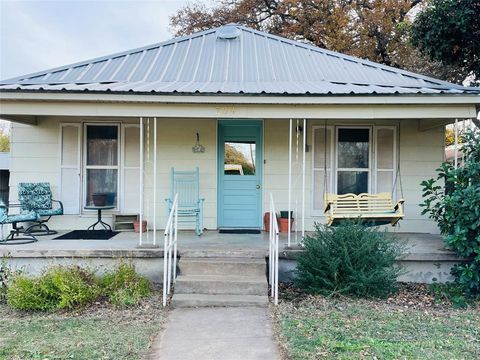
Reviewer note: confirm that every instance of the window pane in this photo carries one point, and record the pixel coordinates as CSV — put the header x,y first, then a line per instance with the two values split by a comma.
x,y
385,149
239,158
353,148
319,151
102,181
102,145
355,182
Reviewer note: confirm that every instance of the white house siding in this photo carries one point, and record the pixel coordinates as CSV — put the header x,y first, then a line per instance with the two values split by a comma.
x,y
421,152
35,157
176,137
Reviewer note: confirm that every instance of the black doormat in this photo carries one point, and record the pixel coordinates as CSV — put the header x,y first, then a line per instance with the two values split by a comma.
x,y
87,235
239,231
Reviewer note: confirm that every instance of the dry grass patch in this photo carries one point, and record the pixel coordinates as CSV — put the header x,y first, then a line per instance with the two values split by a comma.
x,y
100,331
410,325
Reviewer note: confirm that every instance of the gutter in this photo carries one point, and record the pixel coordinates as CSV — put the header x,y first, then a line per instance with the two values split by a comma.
x,y
438,99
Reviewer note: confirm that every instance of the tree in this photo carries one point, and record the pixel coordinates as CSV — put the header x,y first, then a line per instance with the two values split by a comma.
x,y
235,157
373,29
378,30
4,141
450,137
448,31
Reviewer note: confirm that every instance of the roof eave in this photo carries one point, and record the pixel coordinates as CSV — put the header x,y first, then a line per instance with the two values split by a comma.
x,y
222,98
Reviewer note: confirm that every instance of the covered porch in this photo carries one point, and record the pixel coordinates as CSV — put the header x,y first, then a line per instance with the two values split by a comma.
x,y
297,162
426,257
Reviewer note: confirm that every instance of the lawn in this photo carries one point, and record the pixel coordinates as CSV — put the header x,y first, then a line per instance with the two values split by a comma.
x,y
315,327
98,332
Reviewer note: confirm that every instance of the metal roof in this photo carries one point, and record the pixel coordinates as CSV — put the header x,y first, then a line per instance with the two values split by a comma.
x,y
232,59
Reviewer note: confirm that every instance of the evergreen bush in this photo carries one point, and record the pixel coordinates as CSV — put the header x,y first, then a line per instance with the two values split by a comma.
x,y
349,259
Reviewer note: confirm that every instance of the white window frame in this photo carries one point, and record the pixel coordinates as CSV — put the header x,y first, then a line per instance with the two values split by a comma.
x,y
370,149
373,160
86,167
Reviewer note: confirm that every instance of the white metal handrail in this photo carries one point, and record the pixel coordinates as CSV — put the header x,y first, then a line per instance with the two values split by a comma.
x,y
170,250
273,252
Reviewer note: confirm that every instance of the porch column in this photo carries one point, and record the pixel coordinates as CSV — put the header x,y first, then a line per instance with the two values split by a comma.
x,y
154,181
140,183
289,182
456,144
304,144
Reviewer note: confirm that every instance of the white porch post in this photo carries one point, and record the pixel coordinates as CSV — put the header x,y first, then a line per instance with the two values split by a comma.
x,y
456,144
154,181
140,240
304,142
289,182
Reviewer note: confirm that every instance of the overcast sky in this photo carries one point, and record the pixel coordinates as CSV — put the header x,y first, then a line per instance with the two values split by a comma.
x,y
41,34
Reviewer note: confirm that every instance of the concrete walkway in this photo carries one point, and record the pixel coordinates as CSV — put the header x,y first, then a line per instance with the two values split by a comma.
x,y
243,333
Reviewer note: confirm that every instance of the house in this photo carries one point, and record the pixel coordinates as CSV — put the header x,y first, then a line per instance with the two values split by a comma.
x,y
304,120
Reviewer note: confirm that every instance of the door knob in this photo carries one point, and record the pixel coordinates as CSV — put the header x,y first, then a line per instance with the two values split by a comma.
x,y
258,187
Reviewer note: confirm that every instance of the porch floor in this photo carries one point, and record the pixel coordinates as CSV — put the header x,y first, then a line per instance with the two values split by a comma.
x,y
211,243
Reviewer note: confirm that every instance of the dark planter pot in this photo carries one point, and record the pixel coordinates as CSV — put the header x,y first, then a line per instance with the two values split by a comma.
x,y
99,199
110,198
284,214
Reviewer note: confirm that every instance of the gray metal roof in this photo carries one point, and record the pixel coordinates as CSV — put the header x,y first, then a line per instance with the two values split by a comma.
x,y
232,59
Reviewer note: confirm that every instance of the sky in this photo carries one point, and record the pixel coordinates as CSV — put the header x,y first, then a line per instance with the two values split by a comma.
x,y
41,34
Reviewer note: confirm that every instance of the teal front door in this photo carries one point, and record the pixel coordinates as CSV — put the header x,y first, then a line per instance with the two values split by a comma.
x,y
240,161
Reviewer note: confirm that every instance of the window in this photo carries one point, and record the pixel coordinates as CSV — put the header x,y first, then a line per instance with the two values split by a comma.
x,y
239,158
352,159
101,162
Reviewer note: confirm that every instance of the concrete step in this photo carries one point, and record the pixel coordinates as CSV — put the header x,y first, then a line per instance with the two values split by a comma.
x,y
223,253
222,266
221,284
204,300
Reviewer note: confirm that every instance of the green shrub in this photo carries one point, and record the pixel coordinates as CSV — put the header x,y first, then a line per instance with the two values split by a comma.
x,y
124,287
453,201
449,292
6,274
72,286
57,288
26,294
349,259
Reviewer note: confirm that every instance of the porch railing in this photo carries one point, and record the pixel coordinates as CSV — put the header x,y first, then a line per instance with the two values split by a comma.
x,y
273,252
170,250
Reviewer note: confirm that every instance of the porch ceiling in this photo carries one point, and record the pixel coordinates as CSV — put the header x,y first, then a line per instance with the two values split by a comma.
x,y
28,111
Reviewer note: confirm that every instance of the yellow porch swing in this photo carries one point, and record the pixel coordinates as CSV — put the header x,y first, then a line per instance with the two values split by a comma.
x,y
373,209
